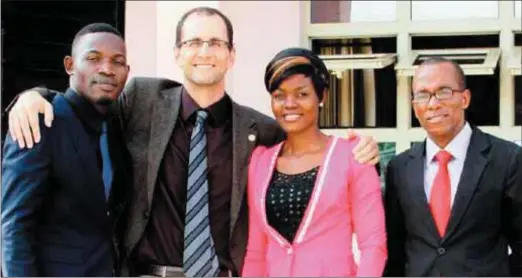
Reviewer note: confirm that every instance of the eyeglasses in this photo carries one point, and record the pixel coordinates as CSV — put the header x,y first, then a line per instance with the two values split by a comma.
x,y
441,94
213,44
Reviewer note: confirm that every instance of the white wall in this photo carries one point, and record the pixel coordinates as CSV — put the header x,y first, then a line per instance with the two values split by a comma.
x,y
383,11
373,11
518,8
434,10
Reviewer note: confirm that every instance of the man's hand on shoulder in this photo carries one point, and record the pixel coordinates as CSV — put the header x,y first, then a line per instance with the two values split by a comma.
x,y
23,118
367,150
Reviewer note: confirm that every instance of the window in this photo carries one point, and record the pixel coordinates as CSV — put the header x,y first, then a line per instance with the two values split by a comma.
x,y
352,11
518,100
340,63
363,85
468,32
473,61
444,10
514,67
387,152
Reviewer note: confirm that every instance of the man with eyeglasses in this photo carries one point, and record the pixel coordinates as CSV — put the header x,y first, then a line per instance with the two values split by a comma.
x,y
190,145
453,203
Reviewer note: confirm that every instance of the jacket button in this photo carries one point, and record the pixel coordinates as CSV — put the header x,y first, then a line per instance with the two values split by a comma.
x,y
289,252
146,214
441,251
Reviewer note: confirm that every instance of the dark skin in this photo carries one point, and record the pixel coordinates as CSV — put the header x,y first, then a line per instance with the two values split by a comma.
x,y
98,68
442,119
295,105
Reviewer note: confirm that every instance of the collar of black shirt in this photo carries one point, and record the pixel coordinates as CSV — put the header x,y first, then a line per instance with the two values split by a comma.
x,y
85,110
219,112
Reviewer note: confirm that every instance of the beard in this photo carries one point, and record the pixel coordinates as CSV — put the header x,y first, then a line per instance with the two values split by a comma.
x,y
104,101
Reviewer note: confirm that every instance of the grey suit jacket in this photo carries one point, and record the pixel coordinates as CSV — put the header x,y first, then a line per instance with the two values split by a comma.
x,y
149,108
486,216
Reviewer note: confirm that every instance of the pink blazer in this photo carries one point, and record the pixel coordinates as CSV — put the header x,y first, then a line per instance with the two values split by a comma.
x,y
346,199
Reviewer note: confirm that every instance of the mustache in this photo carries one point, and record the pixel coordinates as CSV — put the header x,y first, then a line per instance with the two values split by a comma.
x,y
100,79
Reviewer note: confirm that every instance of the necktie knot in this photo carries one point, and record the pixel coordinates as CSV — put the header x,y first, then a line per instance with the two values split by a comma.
x,y
201,117
103,127
443,157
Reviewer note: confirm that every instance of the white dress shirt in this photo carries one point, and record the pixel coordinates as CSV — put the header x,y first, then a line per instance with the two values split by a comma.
x,y
458,148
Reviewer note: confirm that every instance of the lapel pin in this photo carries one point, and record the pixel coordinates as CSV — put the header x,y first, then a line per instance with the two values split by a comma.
x,y
251,137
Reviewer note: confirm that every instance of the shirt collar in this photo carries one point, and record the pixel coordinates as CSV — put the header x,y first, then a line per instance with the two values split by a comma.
x,y
457,147
219,112
85,110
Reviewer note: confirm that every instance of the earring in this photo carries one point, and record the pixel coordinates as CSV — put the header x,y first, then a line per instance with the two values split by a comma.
x,y
321,104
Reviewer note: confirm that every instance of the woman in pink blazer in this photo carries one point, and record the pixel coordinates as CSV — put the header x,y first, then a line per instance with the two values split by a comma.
x,y
307,196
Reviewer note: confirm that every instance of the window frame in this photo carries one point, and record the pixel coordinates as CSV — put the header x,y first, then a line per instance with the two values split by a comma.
x,y
337,64
515,67
404,29
492,56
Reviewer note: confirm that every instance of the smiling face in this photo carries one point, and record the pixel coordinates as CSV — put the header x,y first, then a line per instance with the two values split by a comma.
x,y
98,67
295,104
442,119
204,64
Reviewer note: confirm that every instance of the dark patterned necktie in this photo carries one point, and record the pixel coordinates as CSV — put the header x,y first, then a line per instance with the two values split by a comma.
x,y
199,256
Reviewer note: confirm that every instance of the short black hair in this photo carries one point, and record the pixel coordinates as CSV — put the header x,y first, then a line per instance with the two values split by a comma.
x,y
206,11
434,60
97,27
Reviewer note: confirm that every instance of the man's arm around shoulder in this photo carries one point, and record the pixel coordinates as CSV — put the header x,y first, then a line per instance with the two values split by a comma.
x,y
24,177
137,90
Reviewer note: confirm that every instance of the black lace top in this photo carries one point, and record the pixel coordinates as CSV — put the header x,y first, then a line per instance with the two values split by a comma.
x,y
287,199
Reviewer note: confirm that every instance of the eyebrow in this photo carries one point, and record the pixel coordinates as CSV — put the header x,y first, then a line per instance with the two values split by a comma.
x,y
438,88
94,51
296,89
212,38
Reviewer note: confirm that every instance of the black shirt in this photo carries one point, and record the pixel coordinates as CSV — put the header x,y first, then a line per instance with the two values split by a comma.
x,y
163,239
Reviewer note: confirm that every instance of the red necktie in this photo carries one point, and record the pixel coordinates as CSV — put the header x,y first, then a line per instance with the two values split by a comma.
x,y
441,193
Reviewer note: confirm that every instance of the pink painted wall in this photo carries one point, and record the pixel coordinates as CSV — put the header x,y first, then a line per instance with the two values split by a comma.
x,y
262,28
140,36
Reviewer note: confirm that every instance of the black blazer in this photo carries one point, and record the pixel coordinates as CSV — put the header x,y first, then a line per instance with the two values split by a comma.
x,y
56,220
485,219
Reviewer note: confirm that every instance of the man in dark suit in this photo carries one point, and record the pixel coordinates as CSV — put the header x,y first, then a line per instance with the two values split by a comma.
x,y
453,203
183,222
61,199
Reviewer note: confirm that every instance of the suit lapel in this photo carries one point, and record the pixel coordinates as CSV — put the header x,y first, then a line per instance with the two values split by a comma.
x,y
415,181
474,165
164,115
244,141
